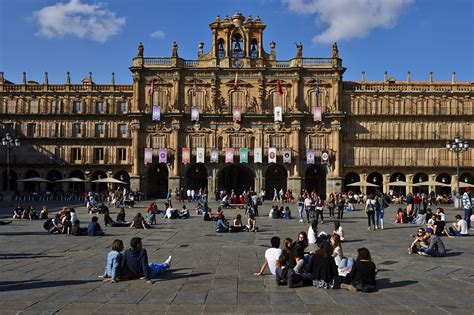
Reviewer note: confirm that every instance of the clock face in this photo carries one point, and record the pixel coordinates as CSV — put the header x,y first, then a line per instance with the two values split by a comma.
x,y
238,63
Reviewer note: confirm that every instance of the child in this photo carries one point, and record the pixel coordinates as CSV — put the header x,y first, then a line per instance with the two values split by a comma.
x,y
114,260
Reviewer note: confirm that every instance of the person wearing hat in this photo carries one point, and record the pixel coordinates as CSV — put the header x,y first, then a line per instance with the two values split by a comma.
x,y
435,246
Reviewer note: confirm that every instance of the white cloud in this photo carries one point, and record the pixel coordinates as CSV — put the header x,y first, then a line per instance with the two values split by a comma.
x,y
158,34
90,21
348,19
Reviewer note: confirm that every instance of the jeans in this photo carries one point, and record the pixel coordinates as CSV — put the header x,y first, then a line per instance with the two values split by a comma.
x,y
454,232
319,213
371,217
346,262
379,218
300,211
416,208
156,269
467,217
331,212
340,212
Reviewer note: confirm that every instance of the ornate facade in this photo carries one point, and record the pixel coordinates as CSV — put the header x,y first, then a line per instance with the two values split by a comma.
x,y
378,132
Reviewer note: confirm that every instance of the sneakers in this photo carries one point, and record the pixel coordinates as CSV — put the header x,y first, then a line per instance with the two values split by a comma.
x,y
348,287
301,221
168,261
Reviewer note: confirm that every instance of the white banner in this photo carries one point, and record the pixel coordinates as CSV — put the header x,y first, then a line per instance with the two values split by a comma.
x,y
287,155
257,155
199,155
194,113
278,113
272,155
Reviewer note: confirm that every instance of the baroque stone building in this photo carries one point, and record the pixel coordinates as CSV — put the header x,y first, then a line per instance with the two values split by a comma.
x,y
236,95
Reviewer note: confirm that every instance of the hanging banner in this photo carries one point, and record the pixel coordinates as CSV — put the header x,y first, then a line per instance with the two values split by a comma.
x,y
237,114
163,156
324,157
194,113
287,155
200,155
148,156
310,156
272,155
229,155
318,116
185,155
257,155
156,113
214,155
244,155
278,113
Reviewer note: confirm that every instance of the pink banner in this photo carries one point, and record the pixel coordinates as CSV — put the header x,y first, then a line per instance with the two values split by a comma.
x,y
318,116
272,155
237,114
186,156
229,155
148,156
163,157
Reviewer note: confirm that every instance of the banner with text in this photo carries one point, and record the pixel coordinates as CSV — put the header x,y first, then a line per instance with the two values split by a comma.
x,y
156,116
214,155
195,113
244,155
278,113
324,157
318,116
237,114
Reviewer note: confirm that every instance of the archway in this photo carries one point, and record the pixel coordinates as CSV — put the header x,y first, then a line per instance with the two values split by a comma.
x,y
196,177
99,186
377,179
350,178
236,177
77,187
315,180
32,187
53,176
396,184
13,179
444,178
467,180
122,176
418,178
157,183
275,179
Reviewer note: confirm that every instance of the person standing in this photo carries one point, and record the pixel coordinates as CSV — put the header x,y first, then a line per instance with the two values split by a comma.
x,y
188,194
169,197
340,206
417,203
370,211
467,206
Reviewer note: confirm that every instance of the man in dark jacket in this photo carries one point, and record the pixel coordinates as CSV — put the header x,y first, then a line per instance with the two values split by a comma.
x,y
135,262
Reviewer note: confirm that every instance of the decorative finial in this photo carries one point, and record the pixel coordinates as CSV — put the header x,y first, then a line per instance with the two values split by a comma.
x,y
453,77
1,77
113,78
363,76
174,52
385,76
90,77
140,50
299,50
24,78
46,81
431,76
409,76
273,51
335,51
68,78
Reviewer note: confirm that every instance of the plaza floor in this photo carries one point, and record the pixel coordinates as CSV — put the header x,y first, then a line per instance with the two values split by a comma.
x,y
213,273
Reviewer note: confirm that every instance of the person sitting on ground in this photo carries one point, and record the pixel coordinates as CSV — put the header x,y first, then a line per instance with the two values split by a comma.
x,y
237,226
287,248
287,213
411,217
114,261
429,214
77,230
251,222
420,238
338,230
285,275
107,219
344,264
459,228
199,209
434,247
55,226
67,224
208,215
170,212
400,218
438,225
219,212
94,228
440,212
138,222
313,233
273,214
44,213
18,212
222,225
323,267
271,256
33,213
184,213
26,214
362,275
73,214
135,263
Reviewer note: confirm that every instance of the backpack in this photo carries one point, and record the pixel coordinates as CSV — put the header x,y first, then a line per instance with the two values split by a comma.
x,y
370,207
47,224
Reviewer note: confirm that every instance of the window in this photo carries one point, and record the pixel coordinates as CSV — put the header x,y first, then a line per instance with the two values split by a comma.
x,y
100,130
397,157
374,156
8,127
196,99
160,98
198,141
76,154
277,141
277,99
58,130
123,107
77,129
313,102
122,154
99,107
237,99
158,142
122,130
420,157
237,141
34,106
220,48
237,51
317,143
57,107
99,154
31,130
11,107
77,107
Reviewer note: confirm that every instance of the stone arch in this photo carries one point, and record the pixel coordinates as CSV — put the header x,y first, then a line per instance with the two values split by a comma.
x,y
99,174
396,177
377,179
349,178
315,179
157,181
418,178
444,178
197,177
237,177
53,175
276,177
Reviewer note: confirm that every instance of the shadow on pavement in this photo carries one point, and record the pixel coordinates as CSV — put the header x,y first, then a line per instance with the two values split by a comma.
x,y
170,275
25,256
386,283
352,241
37,284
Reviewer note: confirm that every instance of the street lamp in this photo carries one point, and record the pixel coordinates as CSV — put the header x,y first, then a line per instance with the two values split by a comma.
x,y
9,142
457,145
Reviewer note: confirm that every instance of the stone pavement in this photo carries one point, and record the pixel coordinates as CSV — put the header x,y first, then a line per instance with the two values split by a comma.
x,y
213,273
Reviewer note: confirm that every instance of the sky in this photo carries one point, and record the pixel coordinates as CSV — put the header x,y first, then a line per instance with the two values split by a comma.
x,y
101,36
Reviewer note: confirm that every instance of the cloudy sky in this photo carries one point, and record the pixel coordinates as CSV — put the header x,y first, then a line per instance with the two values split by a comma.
x,y
101,36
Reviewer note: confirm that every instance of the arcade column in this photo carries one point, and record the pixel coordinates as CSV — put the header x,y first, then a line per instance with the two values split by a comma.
x,y
174,178
135,175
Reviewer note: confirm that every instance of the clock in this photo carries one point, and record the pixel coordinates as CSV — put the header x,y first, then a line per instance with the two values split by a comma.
x,y
238,63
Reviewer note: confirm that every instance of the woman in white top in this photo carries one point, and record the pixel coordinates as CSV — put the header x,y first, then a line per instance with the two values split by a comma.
x,y
338,230
370,211
344,264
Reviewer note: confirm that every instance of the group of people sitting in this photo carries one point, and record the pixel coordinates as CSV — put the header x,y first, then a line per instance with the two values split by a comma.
x,y
67,222
167,213
133,264
223,226
319,261
29,213
280,213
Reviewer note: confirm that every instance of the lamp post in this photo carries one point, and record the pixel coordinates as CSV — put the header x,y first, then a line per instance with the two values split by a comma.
x,y
457,145
9,142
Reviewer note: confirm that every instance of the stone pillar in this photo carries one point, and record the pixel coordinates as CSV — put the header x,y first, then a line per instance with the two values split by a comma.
x,y
385,185
432,178
135,174
409,180
174,179
336,134
363,178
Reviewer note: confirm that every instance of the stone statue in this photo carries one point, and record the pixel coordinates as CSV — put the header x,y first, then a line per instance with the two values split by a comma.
x,y
299,50
175,50
256,106
335,51
140,50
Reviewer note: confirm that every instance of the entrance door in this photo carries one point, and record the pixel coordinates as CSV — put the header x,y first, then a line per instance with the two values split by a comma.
x,y
315,180
157,183
236,177
196,177
275,178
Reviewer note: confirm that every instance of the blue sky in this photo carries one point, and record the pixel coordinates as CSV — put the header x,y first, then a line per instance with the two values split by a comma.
x,y
102,36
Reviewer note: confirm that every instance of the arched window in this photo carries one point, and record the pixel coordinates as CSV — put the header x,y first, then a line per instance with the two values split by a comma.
x,y
254,49
160,98
196,98
237,42
220,48
277,99
237,99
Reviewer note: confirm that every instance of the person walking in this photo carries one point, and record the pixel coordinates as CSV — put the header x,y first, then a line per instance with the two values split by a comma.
x,y
467,206
370,211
